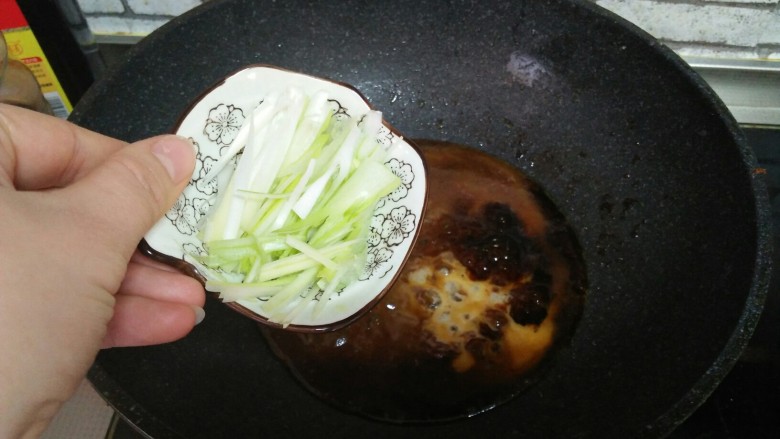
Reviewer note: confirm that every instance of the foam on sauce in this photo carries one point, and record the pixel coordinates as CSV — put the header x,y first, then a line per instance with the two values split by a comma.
x,y
494,283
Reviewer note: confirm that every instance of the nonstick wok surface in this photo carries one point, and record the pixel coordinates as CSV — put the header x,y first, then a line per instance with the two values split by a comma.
x,y
639,154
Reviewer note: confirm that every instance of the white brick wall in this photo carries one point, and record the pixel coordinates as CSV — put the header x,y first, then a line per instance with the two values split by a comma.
x,y
713,28
130,20
162,7
705,22
771,33
746,29
123,29
101,6
744,1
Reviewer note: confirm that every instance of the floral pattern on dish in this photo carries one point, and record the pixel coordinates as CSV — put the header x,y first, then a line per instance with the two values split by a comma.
x,y
223,124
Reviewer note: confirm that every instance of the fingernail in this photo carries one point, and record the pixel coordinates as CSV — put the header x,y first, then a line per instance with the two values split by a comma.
x,y
200,314
177,155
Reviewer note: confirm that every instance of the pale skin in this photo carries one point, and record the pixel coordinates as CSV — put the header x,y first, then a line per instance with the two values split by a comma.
x,y
73,206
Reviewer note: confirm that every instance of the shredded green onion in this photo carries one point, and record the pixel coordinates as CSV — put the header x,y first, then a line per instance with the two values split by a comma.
x,y
292,223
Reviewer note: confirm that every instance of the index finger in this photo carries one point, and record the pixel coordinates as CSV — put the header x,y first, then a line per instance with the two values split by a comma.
x,y
40,152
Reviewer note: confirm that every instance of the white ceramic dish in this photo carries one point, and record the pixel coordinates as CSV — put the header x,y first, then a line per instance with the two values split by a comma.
x,y
212,123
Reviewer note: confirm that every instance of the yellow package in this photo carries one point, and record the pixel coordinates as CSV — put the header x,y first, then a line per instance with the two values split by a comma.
x,y
24,47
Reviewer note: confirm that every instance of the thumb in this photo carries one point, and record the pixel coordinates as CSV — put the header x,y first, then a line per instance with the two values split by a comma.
x,y
133,188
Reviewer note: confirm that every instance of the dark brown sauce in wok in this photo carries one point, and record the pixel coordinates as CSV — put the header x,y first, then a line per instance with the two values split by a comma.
x,y
494,283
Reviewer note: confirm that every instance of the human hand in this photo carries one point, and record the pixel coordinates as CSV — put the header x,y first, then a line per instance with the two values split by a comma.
x,y
73,206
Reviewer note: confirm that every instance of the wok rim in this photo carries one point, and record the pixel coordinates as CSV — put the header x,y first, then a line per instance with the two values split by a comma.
x,y
147,424
754,303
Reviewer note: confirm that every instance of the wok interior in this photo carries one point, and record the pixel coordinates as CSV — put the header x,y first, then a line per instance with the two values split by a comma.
x,y
635,152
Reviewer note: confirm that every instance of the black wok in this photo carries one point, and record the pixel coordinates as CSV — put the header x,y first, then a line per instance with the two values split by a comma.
x,y
640,155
